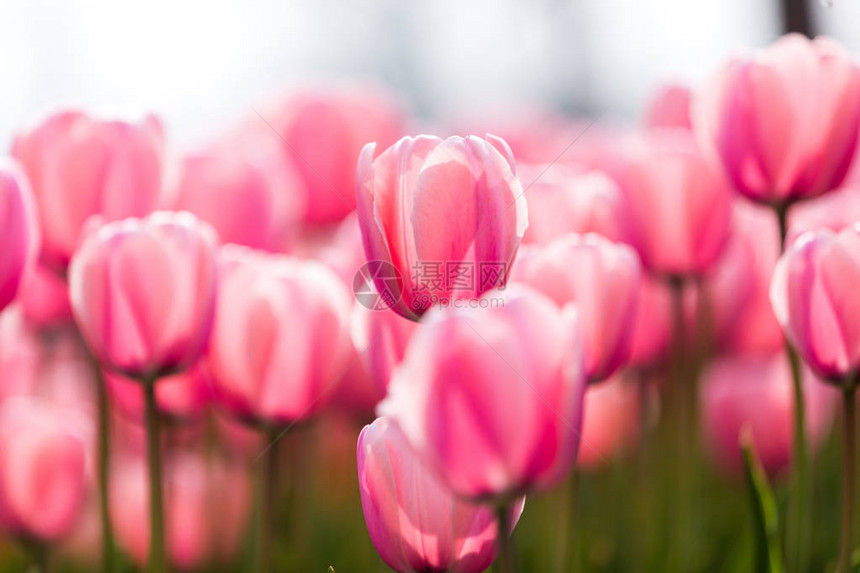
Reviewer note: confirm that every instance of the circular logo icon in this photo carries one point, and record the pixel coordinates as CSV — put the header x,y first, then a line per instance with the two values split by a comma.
x,y
377,285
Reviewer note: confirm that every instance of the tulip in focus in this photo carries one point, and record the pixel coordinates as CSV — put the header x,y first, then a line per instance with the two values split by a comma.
x,y
448,215
44,450
19,236
602,279
207,505
814,296
783,122
143,293
415,523
280,339
680,206
80,165
491,397
755,391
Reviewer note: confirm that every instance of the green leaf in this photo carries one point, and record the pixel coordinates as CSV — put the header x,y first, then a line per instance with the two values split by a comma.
x,y
768,556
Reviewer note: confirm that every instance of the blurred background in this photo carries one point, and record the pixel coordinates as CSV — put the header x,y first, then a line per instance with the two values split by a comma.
x,y
199,63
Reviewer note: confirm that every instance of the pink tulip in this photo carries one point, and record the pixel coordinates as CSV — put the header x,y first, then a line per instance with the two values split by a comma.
x,y
813,293
143,293
448,215
491,396
248,195
737,289
755,391
19,237
415,523
652,324
280,340
81,165
181,396
611,422
206,507
381,338
602,279
322,131
670,107
43,468
44,297
834,211
562,201
783,122
681,208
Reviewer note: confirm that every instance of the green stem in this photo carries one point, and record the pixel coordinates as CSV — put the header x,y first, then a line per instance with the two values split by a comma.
x,y
104,471
567,543
265,494
505,558
848,477
798,527
157,552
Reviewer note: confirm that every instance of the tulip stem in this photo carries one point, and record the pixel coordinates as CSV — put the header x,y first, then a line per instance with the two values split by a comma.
x,y
265,494
798,522
505,558
103,470
157,554
848,476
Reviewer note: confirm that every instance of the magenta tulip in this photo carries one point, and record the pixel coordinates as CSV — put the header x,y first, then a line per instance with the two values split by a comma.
x,y
248,196
670,107
602,279
143,293
321,132
681,208
448,215
755,392
783,122
79,165
19,237
814,298
415,523
491,396
562,201
44,450
280,341
207,505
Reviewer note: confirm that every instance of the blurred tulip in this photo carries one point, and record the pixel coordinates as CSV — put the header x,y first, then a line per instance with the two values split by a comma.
x,y
783,122
19,235
381,338
81,165
562,201
207,504
249,196
448,215
834,211
652,324
323,131
43,468
738,288
280,338
681,208
143,293
611,422
491,396
44,297
415,523
814,297
602,279
181,396
670,107
755,391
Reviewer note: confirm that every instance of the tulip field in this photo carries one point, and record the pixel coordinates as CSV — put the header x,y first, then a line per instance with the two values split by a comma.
x,y
338,337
